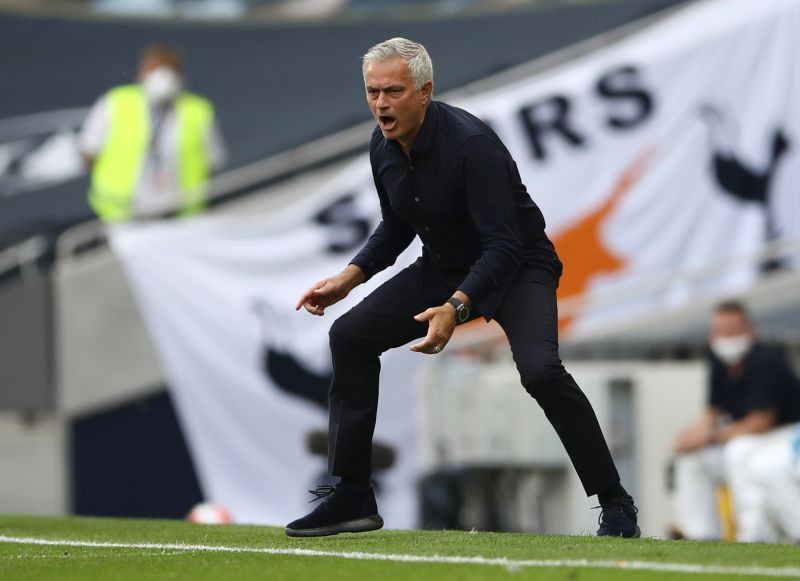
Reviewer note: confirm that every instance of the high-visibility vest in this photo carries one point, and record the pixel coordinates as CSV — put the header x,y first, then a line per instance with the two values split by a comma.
x,y
116,170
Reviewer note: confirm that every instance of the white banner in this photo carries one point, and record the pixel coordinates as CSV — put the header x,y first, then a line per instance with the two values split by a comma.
x,y
671,152
250,375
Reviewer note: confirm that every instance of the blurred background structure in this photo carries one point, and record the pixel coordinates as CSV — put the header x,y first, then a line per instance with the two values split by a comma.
x,y
250,68
87,424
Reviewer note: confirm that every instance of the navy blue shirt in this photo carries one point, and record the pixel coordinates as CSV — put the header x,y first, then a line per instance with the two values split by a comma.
x,y
767,382
459,190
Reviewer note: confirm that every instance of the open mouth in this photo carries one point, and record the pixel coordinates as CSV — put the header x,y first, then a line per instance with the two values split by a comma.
x,y
387,123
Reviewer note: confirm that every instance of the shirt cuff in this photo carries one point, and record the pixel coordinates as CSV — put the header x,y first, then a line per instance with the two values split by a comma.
x,y
366,265
476,287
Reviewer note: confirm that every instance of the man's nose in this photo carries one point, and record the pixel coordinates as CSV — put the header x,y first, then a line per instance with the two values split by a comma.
x,y
381,103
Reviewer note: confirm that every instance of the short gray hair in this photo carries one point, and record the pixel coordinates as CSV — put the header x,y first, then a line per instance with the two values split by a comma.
x,y
413,54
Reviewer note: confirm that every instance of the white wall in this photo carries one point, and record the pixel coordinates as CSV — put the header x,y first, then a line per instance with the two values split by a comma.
x,y
33,457
477,414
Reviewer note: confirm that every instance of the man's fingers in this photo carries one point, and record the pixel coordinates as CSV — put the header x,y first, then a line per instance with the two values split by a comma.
x,y
429,350
429,345
426,315
300,302
305,298
423,345
311,305
313,309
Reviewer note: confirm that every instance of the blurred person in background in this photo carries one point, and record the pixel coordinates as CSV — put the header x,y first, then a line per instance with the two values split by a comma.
x,y
746,429
442,174
151,145
773,474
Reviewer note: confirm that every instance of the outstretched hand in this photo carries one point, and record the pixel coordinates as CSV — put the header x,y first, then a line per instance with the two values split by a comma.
x,y
329,291
441,324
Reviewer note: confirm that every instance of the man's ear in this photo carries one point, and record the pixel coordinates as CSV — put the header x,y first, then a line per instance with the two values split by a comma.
x,y
427,91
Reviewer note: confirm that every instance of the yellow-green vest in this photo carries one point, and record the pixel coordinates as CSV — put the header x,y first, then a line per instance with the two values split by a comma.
x,y
115,172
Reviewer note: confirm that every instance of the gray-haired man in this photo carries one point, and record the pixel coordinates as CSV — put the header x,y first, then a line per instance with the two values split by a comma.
x,y
444,175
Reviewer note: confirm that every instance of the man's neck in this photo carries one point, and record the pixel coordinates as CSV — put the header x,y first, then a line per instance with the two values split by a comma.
x,y
408,143
736,370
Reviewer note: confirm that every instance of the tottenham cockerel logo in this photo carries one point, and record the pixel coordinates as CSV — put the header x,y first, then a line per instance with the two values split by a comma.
x,y
744,181
292,376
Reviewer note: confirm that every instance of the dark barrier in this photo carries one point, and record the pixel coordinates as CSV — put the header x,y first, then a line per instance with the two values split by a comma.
x,y
132,461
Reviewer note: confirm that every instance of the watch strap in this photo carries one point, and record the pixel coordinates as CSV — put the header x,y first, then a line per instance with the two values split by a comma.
x,y
462,310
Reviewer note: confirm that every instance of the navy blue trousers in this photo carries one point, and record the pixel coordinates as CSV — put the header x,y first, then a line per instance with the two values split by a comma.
x,y
384,320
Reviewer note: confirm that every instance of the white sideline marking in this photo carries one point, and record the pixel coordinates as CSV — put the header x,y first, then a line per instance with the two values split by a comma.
x,y
511,564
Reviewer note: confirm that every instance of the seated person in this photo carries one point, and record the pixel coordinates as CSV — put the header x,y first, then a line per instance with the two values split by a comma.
x,y
754,399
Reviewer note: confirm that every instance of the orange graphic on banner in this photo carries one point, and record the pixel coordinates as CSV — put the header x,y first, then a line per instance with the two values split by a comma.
x,y
581,247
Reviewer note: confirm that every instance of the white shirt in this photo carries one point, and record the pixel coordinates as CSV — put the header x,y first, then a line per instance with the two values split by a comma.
x,y
157,191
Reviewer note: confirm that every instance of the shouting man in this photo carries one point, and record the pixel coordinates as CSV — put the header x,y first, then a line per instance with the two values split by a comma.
x,y
444,175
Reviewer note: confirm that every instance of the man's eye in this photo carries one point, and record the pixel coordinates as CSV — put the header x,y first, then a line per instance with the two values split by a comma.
x,y
372,92
396,92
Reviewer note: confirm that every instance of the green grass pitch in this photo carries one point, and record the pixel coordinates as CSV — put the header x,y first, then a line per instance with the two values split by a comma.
x,y
93,548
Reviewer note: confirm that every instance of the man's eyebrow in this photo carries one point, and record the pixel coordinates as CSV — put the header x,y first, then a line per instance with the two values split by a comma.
x,y
389,88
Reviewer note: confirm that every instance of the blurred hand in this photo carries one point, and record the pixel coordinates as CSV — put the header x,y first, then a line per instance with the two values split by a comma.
x,y
692,440
329,291
441,324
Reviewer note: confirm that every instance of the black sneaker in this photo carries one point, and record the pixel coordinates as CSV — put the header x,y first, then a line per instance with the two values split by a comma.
x,y
338,513
618,519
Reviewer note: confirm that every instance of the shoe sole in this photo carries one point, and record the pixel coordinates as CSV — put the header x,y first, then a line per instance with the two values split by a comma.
x,y
636,534
359,525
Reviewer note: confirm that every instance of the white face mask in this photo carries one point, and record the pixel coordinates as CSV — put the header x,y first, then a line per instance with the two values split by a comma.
x,y
731,350
162,85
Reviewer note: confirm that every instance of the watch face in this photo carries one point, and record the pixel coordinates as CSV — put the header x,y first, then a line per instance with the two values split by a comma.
x,y
462,312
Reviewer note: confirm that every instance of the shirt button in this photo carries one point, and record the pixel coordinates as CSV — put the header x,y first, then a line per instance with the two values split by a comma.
x,y
416,199
411,167
427,229
438,255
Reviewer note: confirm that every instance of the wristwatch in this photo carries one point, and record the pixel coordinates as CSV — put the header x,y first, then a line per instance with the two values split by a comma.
x,y
462,310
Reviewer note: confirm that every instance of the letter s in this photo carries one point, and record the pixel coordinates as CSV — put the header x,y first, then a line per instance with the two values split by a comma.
x,y
632,104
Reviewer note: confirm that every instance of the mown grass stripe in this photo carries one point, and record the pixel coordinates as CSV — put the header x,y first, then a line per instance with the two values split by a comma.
x,y
444,559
